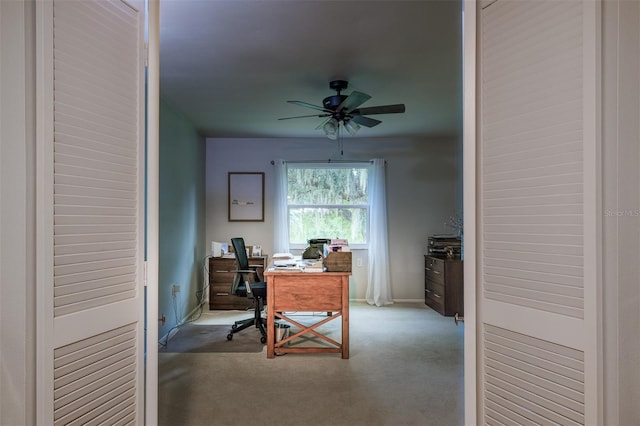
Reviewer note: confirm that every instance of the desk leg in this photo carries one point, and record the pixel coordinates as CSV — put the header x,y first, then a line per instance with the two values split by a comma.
x,y
345,317
271,336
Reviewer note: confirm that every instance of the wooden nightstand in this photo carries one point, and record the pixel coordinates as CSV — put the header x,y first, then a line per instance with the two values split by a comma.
x,y
443,285
221,278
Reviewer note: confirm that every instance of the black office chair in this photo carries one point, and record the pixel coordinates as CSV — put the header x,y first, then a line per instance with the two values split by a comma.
x,y
247,283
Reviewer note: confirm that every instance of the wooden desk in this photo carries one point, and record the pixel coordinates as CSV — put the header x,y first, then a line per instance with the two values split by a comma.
x,y
307,292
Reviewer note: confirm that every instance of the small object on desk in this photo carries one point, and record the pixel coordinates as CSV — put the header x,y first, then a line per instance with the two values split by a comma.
x,y
338,261
286,268
285,262
310,265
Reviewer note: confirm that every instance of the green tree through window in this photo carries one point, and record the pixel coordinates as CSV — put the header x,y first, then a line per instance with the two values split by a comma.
x,y
327,202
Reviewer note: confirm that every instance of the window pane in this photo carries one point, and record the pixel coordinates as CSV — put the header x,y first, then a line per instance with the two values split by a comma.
x,y
337,186
315,222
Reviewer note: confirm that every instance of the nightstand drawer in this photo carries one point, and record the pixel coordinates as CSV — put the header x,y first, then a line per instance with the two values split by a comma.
x,y
434,269
434,301
220,297
436,289
221,277
220,290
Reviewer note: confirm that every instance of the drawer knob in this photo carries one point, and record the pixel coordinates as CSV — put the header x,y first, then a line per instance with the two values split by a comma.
x,y
457,318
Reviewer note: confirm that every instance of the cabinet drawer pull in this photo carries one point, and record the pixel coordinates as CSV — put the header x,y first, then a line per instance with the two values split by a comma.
x,y
427,269
222,294
437,295
428,291
437,272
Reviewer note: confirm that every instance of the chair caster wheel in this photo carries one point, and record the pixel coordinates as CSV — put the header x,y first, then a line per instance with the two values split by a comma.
x,y
229,336
263,340
234,327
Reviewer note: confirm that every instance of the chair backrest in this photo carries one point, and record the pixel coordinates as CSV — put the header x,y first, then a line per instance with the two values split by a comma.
x,y
241,253
239,287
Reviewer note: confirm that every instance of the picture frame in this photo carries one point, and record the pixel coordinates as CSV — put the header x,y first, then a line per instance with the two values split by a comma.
x,y
246,196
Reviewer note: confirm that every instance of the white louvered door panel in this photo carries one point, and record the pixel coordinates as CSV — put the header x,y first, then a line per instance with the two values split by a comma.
x,y
537,202
91,152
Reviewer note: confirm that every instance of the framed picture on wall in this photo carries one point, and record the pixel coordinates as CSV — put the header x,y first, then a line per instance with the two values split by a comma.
x,y
246,196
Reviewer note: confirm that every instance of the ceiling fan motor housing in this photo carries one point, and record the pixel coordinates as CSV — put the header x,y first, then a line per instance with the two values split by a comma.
x,y
332,102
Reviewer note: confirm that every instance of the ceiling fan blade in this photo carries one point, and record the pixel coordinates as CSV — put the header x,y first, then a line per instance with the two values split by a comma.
x,y
365,121
308,105
354,100
305,116
321,125
382,109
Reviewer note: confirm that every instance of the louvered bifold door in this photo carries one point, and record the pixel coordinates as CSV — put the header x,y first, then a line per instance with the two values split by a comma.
x,y
90,210
538,338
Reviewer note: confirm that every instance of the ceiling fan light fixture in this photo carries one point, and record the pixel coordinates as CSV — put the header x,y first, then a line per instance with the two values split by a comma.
x,y
331,128
352,127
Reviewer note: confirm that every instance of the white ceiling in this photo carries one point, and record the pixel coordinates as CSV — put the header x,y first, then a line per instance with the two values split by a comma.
x,y
231,65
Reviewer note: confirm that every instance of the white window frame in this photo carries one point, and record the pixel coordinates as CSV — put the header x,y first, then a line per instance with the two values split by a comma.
x,y
331,165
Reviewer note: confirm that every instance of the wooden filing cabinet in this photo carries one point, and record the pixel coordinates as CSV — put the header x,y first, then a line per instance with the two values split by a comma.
x,y
221,273
443,285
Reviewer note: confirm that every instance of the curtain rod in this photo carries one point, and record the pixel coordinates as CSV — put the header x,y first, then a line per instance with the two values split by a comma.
x,y
327,161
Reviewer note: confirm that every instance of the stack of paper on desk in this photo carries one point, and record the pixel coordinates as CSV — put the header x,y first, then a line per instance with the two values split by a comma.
x,y
285,262
286,268
311,265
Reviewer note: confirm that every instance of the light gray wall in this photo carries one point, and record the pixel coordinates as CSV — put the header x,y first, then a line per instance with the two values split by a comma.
x,y
423,184
181,216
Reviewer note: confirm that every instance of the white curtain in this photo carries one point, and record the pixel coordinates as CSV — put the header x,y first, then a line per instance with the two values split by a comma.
x,y
379,278
280,217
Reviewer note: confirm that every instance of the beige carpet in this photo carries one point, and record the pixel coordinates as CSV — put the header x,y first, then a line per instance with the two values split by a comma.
x,y
406,368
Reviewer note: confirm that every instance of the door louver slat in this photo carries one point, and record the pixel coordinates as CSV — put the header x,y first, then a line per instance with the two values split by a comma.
x,y
538,380
94,375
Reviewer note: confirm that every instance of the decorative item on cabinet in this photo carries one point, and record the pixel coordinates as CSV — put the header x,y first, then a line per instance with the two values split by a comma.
x,y
443,285
221,273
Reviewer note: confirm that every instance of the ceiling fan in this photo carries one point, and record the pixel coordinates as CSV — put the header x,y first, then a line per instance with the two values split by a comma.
x,y
343,109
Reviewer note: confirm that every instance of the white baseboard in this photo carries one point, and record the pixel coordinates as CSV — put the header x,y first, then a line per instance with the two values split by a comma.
x,y
395,300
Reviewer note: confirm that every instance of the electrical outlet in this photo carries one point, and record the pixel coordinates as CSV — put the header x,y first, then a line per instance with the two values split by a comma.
x,y
175,289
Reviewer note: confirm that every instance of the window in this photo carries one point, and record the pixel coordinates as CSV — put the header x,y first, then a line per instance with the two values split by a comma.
x,y
327,201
